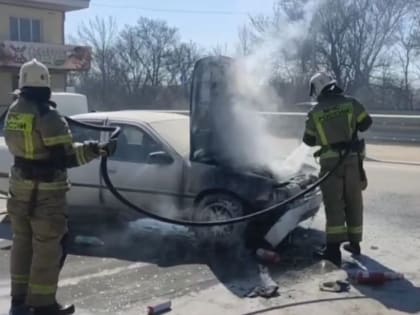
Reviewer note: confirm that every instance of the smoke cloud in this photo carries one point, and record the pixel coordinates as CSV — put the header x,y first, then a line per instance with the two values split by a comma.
x,y
248,140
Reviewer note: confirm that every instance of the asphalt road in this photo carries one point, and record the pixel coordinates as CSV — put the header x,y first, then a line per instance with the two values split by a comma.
x,y
148,263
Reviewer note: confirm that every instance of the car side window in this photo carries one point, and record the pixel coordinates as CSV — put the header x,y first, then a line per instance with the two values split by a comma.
x,y
134,145
81,134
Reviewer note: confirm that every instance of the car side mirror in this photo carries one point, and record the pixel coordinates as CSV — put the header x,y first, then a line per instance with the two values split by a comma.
x,y
159,157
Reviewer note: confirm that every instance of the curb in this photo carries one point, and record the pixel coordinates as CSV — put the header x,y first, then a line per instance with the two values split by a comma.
x,y
369,159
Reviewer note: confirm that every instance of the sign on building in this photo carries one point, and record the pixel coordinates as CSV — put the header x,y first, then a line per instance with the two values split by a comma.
x,y
59,57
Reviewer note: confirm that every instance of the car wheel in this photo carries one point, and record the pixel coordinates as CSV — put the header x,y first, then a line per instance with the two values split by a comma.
x,y
218,207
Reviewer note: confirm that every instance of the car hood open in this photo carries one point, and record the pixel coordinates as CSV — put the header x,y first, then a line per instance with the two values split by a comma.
x,y
210,108
221,124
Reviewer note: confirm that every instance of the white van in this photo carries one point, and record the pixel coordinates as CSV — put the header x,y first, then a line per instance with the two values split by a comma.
x,y
69,104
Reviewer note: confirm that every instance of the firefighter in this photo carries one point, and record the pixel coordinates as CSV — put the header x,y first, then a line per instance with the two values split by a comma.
x,y
333,124
40,140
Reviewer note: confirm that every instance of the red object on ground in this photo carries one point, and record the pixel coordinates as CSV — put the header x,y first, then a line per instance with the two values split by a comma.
x,y
159,309
375,278
268,255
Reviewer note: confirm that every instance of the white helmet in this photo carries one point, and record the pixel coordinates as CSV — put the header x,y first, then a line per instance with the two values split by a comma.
x,y
319,82
34,74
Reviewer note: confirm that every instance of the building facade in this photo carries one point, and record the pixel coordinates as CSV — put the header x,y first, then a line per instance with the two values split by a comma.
x,y
35,29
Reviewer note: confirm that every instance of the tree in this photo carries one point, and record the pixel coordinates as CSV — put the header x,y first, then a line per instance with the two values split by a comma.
x,y
219,50
330,26
405,50
352,35
350,38
141,65
132,72
150,58
100,34
284,44
245,43
181,61
156,42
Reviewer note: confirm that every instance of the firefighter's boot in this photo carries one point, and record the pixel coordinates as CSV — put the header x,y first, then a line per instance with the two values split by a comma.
x,y
19,310
55,309
19,307
331,253
353,248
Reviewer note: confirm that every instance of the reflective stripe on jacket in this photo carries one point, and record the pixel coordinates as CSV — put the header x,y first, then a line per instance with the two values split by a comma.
x,y
29,133
333,120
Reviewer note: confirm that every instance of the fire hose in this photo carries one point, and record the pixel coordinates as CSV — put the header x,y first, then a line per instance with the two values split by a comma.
x,y
115,131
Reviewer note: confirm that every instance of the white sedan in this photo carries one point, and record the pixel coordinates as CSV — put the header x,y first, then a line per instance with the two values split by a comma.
x,y
151,168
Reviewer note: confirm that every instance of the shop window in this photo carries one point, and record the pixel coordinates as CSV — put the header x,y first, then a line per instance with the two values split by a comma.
x,y
36,31
14,29
25,30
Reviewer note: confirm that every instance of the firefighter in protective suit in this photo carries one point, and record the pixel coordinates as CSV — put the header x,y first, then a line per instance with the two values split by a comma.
x,y
333,124
40,140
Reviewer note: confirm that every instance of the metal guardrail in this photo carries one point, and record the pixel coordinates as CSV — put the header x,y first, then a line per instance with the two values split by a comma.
x,y
295,114
386,127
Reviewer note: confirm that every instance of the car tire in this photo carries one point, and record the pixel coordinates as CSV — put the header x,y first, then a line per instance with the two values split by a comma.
x,y
215,207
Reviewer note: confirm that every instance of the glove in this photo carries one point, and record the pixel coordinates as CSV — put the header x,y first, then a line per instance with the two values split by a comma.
x,y
108,148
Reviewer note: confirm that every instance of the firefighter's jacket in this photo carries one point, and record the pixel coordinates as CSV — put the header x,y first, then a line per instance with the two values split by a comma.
x,y
32,132
334,122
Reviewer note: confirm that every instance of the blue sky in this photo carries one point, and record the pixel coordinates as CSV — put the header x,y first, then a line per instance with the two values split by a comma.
x,y
208,29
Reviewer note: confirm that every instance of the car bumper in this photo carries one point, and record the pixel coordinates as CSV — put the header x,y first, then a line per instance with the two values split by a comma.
x,y
297,212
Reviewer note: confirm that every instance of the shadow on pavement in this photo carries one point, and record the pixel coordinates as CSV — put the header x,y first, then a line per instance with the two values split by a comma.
x,y
297,255
400,295
167,245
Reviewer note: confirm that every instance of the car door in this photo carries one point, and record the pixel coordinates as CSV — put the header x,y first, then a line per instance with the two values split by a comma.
x,y
85,179
153,186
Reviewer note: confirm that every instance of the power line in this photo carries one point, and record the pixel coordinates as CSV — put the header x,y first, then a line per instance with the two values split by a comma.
x,y
182,11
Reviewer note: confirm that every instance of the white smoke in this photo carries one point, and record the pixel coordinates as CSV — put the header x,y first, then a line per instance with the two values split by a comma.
x,y
252,144
247,138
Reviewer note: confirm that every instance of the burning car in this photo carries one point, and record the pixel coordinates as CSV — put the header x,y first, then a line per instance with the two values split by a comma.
x,y
179,166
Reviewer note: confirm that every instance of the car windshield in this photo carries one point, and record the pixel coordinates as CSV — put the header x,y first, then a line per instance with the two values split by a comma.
x,y
176,132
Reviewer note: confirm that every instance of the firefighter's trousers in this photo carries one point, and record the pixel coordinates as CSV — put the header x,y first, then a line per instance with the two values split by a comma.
x,y
342,196
39,230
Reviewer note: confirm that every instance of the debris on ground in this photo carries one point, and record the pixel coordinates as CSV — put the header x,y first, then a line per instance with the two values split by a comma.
x,y
88,240
338,286
160,308
265,292
268,288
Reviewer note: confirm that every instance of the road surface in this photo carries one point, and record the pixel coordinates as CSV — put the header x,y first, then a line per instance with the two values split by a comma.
x,y
148,263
